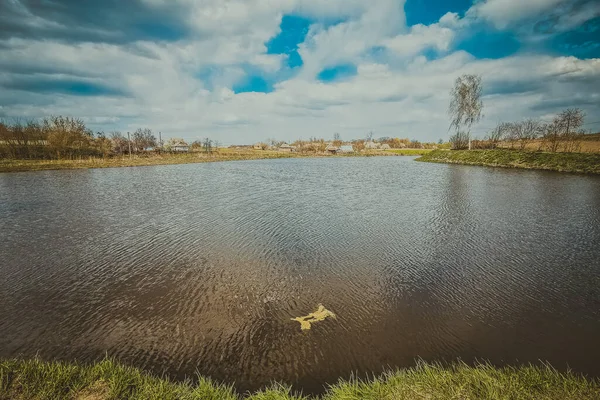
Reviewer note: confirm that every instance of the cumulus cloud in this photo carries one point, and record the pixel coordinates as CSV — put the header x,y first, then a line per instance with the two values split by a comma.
x,y
347,41
172,66
542,16
419,38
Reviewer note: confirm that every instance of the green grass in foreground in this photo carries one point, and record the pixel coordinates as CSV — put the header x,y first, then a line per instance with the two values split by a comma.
x,y
564,162
35,379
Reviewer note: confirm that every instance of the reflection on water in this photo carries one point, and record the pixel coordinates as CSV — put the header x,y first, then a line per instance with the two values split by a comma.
x,y
187,268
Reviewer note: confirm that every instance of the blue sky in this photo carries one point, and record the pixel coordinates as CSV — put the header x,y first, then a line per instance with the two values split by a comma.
x,y
241,71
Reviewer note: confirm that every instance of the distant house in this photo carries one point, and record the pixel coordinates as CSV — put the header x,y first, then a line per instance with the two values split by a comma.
x,y
371,145
331,148
258,146
180,147
287,148
347,148
385,146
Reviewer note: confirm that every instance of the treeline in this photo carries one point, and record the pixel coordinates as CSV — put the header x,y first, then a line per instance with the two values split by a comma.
x,y
396,143
318,145
59,137
562,134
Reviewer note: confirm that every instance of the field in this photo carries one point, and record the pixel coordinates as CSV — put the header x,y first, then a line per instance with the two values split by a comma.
x,y
35,379
563,162
590,143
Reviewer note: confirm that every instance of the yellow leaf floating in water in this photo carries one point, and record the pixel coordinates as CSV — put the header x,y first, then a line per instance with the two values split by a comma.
x,y
316,316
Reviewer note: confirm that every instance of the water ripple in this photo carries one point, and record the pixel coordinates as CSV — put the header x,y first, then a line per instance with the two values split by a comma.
x,y
200,268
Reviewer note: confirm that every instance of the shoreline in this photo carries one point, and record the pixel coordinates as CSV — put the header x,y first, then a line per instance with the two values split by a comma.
x,y
107,379
581,163
22,165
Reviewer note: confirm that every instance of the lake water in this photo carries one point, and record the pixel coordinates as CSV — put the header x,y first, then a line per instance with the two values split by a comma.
x,y
201,267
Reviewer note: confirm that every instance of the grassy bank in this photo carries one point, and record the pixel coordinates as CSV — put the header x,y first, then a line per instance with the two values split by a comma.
x,y
409,152
564,162
34,379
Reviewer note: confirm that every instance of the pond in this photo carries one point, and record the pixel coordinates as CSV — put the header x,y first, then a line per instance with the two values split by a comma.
x,y
209,267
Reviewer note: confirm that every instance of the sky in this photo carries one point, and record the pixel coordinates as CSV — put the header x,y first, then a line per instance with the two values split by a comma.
x,y
242,71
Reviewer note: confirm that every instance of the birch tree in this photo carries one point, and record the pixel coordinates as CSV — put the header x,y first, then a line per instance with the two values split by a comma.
x,y
465,109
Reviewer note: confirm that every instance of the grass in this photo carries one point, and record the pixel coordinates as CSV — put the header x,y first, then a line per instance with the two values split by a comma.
x,y
12,165
564,162
36,379
409,152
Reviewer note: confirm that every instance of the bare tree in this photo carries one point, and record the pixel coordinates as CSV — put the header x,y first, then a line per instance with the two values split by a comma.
x,y
565,129
67,136
552,135
143,139
571,121
460,140
358,145
208,145
119,142
370,136
465,108
337,139
196,145
523,132
530,130
498,134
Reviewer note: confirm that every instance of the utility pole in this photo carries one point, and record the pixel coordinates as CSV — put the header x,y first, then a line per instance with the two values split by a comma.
x,y
129,143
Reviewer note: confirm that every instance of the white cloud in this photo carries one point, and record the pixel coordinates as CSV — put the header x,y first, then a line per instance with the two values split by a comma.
x,y
552,15
347,41
391,97
504,12
419,38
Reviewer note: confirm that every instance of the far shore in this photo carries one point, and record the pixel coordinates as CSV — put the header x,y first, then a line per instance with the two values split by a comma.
x,y
137,160
586,163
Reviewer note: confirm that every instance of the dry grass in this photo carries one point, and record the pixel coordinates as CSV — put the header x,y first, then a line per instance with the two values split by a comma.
x,y
10,165
590,143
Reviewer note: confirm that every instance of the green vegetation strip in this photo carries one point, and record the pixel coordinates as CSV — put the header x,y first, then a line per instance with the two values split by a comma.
x,y
35,379
564,162
409,152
